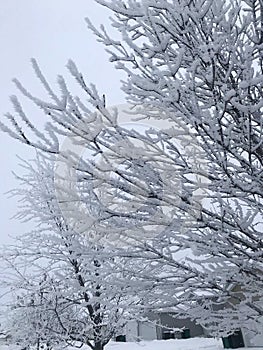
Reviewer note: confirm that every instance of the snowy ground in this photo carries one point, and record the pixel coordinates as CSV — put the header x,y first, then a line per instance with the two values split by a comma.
x,y
187,344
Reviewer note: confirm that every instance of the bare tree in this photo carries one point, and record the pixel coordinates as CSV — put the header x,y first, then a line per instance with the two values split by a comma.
x,y
68,289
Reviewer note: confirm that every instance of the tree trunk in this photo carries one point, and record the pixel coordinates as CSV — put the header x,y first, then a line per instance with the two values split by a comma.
x,y
98,346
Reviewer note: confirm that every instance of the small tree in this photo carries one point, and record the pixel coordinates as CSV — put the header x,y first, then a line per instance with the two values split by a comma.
x,y
33,318
82,298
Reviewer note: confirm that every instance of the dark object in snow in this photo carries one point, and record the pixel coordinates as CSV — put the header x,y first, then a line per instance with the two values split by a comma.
x,y
168,335
234,341
121,338
186,334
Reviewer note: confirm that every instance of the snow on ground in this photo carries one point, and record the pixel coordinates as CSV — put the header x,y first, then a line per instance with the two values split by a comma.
x,y
177,344
172,344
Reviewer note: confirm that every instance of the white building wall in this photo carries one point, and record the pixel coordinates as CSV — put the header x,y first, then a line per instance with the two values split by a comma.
x,y
147,331
131,331
136,330
251,339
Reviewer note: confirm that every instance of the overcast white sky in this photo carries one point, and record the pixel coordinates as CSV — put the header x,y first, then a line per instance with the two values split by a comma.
x,y
51,31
